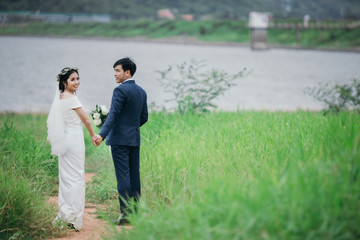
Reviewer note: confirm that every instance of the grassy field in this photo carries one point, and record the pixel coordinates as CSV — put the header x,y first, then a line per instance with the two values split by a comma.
x,y
249,175
209,31
241,175
28,174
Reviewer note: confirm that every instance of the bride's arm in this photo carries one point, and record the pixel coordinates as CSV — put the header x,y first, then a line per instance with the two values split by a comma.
x,y
85,119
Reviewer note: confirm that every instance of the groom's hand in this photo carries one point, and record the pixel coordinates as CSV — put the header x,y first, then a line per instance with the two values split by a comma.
x,y
93,140
97,139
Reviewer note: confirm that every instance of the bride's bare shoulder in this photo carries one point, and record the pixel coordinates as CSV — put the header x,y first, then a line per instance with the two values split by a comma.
x,y
66,95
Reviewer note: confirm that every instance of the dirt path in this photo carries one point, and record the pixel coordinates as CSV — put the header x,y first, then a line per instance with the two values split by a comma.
x,y
92,228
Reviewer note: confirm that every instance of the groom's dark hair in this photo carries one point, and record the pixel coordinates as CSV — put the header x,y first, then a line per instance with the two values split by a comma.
x,y
127,64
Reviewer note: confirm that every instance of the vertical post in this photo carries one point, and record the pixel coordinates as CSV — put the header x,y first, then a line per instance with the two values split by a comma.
x,y
298,34
258,39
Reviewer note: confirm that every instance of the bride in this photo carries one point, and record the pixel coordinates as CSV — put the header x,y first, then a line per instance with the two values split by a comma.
x,y
65,134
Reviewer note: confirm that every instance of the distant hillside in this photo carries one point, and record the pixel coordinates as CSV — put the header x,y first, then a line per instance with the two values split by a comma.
x,y
225,9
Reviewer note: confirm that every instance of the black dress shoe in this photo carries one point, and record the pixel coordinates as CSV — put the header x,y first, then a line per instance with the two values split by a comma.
x,y
120,221
124,221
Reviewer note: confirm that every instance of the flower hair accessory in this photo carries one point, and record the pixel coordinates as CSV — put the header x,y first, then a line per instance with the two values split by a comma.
x,y
64,72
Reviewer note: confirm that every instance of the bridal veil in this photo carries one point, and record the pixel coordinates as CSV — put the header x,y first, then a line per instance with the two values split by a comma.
x,y
56,126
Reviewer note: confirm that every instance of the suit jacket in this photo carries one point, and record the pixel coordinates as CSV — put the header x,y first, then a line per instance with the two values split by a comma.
x,y
128,112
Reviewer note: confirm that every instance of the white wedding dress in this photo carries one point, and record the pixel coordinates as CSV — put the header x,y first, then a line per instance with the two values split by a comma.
x,y
71,166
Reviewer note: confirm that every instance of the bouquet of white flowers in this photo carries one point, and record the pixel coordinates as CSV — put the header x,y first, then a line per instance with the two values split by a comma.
x,y
99,115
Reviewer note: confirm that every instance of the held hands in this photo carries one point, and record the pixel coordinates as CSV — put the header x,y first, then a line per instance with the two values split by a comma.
x,y
96,140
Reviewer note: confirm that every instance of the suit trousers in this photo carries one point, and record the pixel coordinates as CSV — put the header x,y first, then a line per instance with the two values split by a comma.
x,y
127,170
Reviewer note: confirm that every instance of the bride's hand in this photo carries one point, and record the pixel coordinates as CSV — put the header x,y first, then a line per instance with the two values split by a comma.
x,y
93,140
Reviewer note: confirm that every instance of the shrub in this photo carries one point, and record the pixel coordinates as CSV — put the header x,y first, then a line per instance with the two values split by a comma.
x,y
193,89
338,97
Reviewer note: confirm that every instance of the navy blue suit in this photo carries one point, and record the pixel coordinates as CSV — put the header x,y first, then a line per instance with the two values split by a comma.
x,y
128,112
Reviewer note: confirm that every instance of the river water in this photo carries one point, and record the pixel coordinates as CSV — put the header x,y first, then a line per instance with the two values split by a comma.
x,y
29,65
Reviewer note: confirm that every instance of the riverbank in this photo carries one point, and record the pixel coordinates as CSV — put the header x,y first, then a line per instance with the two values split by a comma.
x,y
223,33
186,40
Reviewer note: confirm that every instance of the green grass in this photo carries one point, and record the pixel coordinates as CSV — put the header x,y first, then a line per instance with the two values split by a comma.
x,y
247,175
24,213
313,38
28,173
240,175
209,31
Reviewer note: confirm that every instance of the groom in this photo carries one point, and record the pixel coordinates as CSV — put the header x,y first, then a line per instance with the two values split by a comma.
x,y
128,112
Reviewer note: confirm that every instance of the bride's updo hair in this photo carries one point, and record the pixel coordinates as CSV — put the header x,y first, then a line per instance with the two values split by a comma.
x,y
63,76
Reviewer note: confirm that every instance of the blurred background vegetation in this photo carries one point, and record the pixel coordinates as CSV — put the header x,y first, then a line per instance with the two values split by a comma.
x,y
333,24
201,9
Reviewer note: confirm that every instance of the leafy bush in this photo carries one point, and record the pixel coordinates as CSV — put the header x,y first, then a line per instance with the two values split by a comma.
x,y
195,90
339,97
